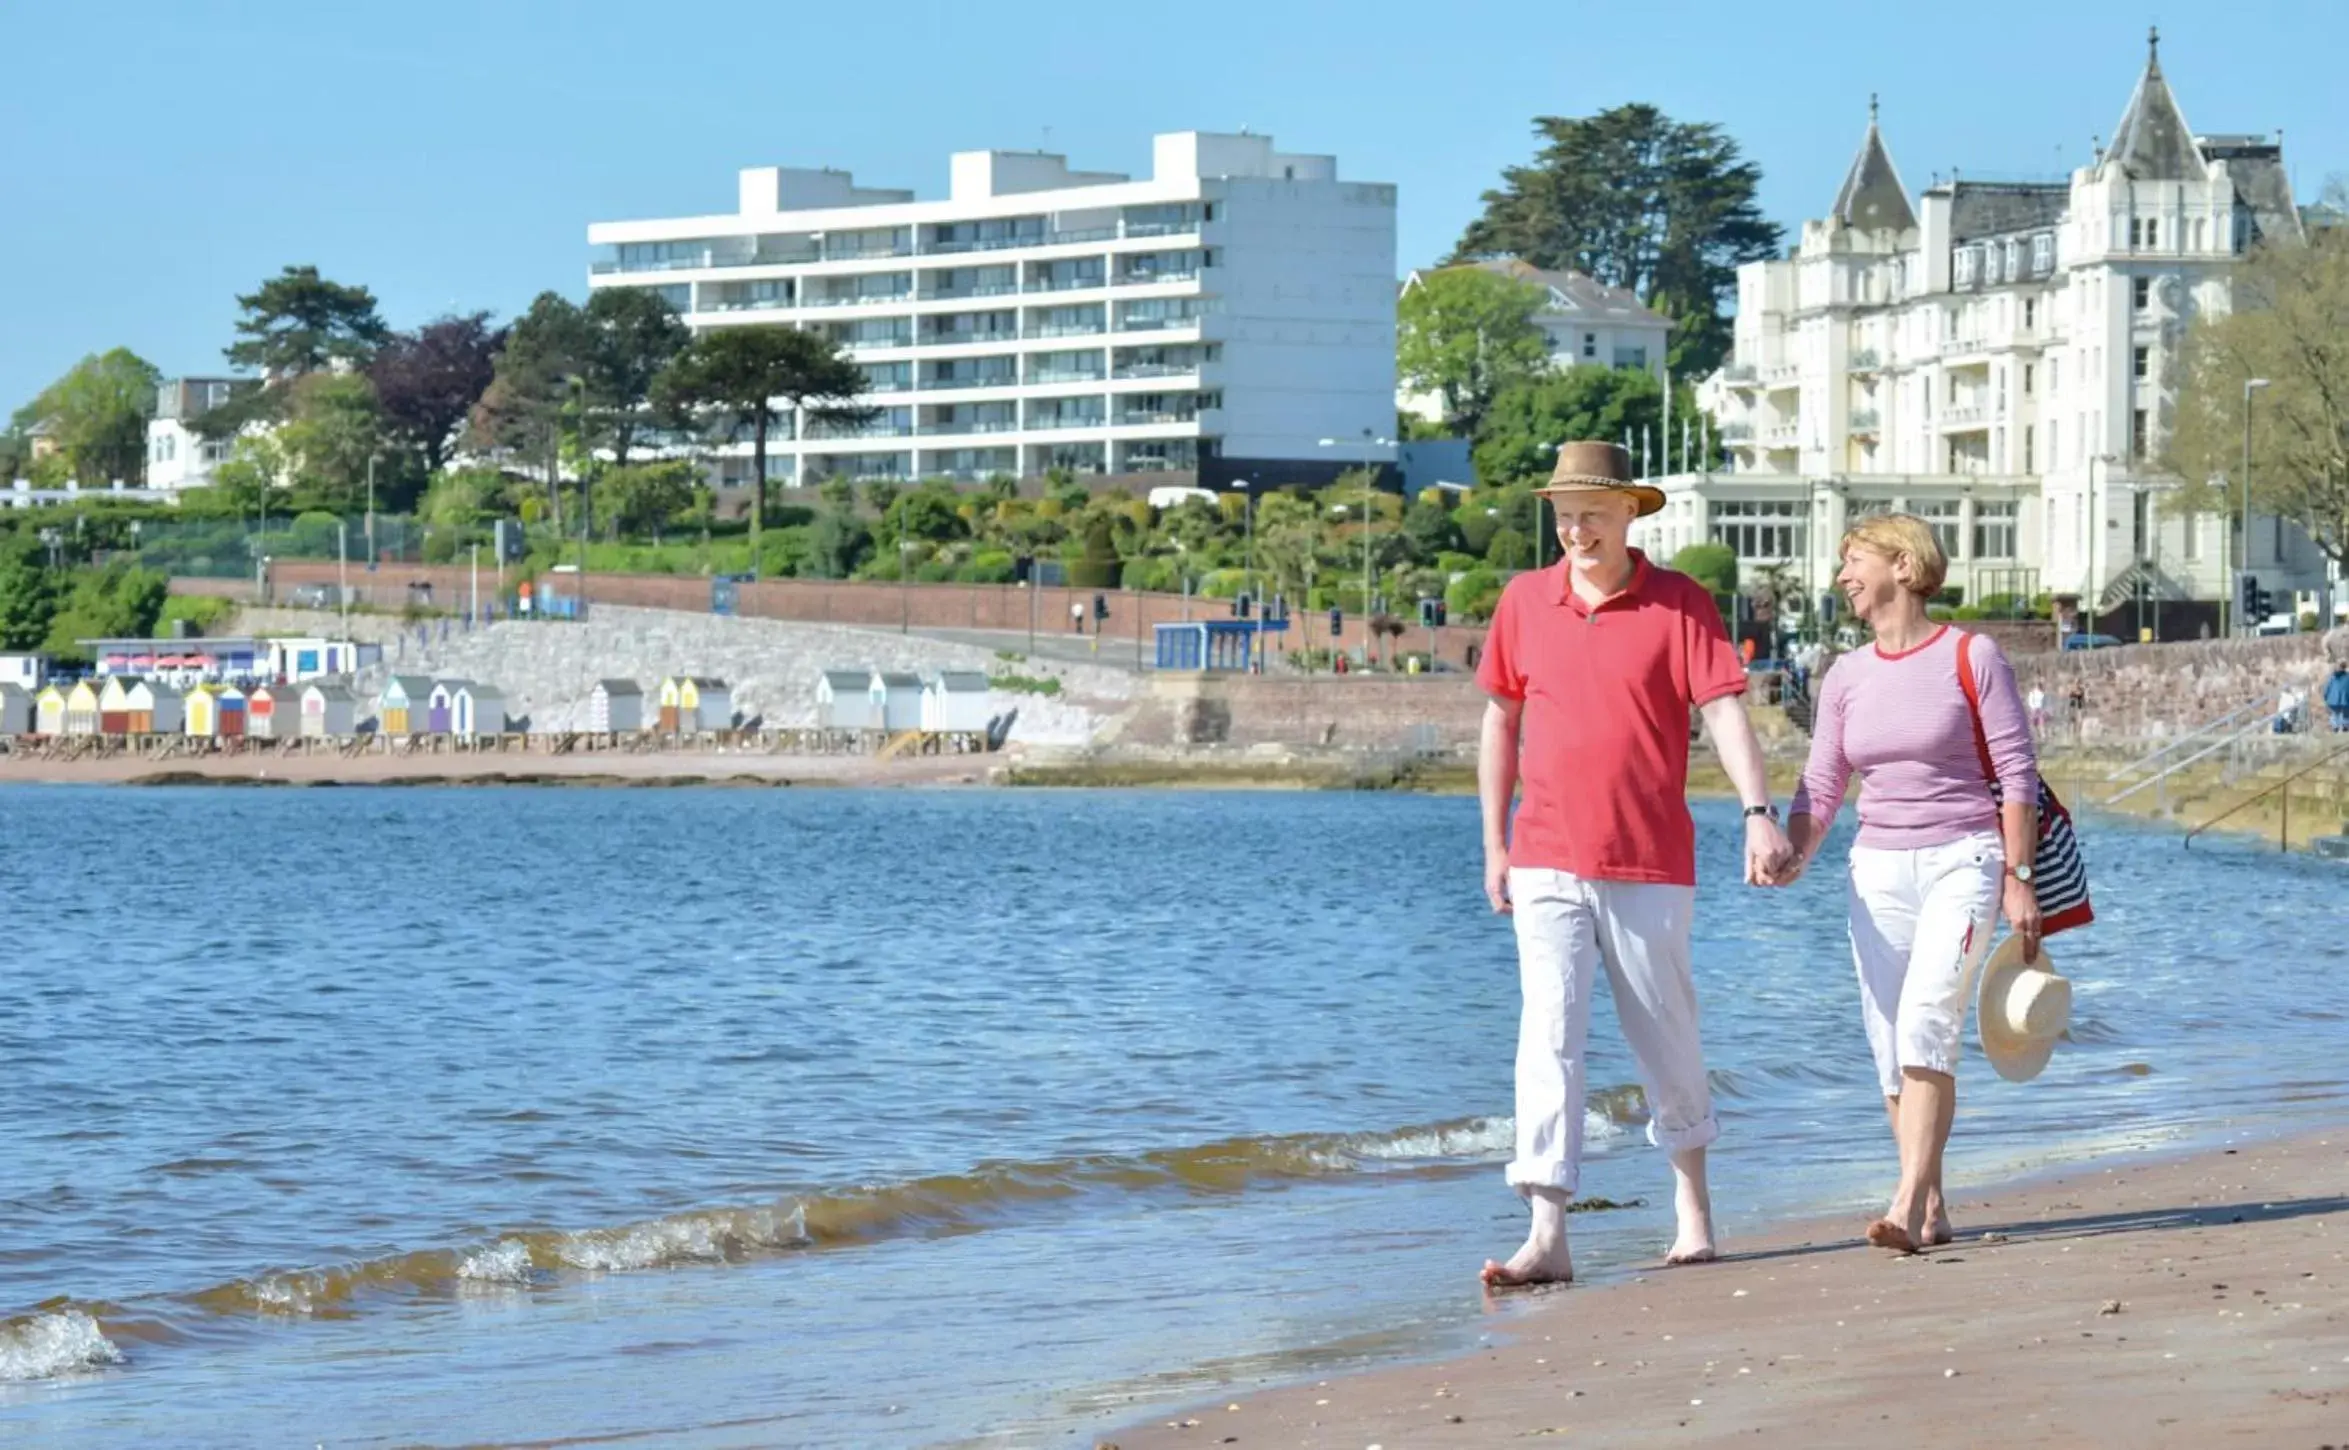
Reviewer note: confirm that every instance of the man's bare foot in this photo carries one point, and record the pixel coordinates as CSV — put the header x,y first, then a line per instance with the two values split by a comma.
x,y
1545,1258
1885,1234
1692,1207
1937,1229
1536,1263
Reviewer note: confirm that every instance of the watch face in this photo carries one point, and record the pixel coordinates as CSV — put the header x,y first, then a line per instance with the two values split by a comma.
x,y
2022,873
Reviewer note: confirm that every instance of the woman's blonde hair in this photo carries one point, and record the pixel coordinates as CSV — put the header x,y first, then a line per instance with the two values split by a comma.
x,y
1898,536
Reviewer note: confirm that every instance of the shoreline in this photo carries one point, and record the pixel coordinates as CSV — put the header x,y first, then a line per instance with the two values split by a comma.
x,y
2166,1298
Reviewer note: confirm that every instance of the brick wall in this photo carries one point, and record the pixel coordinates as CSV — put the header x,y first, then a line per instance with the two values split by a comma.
x,y
2157,690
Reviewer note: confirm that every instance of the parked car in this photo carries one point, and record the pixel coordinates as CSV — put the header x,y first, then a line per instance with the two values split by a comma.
x,y
314,596
2089,641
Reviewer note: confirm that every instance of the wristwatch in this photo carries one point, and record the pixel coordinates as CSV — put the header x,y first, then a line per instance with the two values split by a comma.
x,y
1763,810
2021,873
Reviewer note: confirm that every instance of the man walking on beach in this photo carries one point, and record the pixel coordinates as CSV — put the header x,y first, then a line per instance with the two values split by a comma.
x,y
1592,666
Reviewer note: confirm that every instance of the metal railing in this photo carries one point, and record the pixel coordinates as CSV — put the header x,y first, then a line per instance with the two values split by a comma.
x,y
2229,722
2284,826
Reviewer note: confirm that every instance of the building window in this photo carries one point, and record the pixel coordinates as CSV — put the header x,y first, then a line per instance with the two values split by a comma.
x,y
2136,234
1631,357
2193,531
2030,371
1590,344
2030,448
1768,532
2152,234
2140,292
1945,519
1965,266
2030,314
213,452
2140,363
1994,530
2137,435
2055,376
2043,252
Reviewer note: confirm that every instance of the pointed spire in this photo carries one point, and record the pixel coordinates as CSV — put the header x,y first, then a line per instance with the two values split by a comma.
x,y
2153,141
1872,198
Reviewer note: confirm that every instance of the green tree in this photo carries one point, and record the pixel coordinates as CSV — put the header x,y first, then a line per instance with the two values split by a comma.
x,y
1526,422
1465,334
643,498
97,414
298,323
332,427
1665,209
837,544
881,495
737,375
633,335
2291,312
1429,528
28,593
256,469
118,601
428,380
837,492
1712,565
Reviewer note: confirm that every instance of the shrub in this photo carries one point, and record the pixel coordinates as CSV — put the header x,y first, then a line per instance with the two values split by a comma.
x,y
989,566
1473,595
1712,565
203,612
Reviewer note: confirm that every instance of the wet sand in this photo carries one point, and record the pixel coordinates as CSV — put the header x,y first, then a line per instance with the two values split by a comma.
x,y
2185,1302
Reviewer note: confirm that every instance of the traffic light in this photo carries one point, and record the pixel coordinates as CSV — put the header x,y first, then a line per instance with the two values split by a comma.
x,y
1431,613
1242,605
1337,621
1101,606
1022,567
2250,601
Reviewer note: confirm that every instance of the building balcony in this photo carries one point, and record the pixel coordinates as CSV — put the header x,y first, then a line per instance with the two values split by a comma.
x,y
860,344
992,289
1064,379
964,339
1140,417
990,380
706,259
1865,422
1152,279
1070,329
951,430
1865,360
1053,421
873,299
1135,230
1781,435
1068,284
1737,432
1964,418
1133,371
761,304
1741,375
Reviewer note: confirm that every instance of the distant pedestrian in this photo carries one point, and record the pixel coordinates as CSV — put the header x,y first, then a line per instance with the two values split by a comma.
x,y
2288,707
1076,618
2036,702
2337,696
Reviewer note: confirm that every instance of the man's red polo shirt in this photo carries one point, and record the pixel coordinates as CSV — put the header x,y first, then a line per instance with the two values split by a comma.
x,y
1603,760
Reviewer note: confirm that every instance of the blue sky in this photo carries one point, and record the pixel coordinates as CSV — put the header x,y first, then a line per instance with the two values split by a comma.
x,y
160,158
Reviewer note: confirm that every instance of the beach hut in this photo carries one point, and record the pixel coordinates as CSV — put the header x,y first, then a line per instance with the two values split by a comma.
x,y
202,720
440,712
672,716
273,712
844,700
477,711
897,701
704,703
955,700
615,706
404,705
49,710
114,707
156,708
328,710
233,711
81,708
16,709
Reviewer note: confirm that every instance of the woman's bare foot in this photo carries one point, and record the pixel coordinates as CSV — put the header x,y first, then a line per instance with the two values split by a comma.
x,y
1545,1258
1885,1234
1937,1229
1692,1207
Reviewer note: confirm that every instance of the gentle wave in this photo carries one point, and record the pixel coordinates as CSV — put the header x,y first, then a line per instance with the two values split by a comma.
x,y
64,1339
46,1345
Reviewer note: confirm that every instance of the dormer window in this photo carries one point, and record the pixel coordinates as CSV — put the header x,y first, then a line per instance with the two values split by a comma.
x,y
2043,252
1965,266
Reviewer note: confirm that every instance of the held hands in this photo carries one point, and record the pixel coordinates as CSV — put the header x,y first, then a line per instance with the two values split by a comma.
x,y
1770,858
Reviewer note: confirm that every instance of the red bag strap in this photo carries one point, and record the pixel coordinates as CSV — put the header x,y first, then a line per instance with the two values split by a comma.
x,y
1965,672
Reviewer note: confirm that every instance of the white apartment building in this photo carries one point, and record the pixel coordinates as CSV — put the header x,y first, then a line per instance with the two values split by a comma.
x,y
177,456
2000,358
1219,318
1585,323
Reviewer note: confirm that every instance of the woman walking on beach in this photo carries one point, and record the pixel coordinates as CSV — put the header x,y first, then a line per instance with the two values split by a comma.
x,y
1930,871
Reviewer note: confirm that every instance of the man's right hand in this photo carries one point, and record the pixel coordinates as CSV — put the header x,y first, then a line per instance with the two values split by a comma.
x,y
1496,878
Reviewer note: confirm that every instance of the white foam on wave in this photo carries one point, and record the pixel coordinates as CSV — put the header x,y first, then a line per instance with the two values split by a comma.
x,y
44,1346
690,1238
1476,1138
507,1262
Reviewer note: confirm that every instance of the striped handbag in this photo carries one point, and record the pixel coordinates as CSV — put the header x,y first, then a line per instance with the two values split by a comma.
x,y
2058,874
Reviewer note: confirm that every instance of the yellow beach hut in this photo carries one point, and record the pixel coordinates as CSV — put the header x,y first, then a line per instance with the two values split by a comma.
x,y
81,708
203,713
704,703
49,710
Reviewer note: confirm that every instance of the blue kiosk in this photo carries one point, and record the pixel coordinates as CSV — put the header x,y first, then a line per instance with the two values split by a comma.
x,y
1214,646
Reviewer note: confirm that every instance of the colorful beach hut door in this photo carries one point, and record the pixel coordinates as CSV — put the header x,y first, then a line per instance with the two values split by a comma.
x,y
437,717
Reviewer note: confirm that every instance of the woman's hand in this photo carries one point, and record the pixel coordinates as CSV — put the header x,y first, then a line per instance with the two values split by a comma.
x,y
2022,914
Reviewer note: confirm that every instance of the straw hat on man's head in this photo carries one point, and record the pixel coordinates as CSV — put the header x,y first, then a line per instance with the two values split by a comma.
x,y
2025,1008
1594,467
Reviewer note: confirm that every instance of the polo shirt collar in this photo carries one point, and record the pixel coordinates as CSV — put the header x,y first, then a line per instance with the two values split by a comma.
x,y
1640,572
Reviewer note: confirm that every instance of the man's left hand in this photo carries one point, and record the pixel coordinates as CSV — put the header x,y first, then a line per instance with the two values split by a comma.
x,y
1767,851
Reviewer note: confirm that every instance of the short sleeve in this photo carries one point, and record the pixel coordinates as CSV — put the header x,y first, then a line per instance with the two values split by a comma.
x,y
1714,670
1500,671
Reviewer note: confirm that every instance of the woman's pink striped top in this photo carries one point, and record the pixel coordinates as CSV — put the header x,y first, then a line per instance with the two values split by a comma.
x,y
1902,723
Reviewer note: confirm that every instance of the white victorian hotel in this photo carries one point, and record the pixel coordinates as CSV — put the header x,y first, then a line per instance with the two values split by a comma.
x,y
1999,358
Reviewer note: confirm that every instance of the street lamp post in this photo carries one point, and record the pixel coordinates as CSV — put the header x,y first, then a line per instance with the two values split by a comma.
x,y
370,530
1370,446
2250,385
904,600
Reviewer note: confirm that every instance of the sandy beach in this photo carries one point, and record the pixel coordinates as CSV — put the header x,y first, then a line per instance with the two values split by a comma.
x,y
2183,1301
